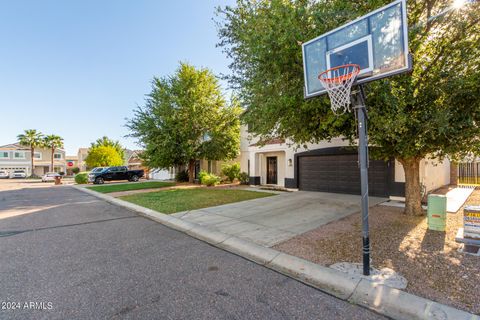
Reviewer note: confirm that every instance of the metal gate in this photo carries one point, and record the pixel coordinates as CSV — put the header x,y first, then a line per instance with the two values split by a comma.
x,y
469,173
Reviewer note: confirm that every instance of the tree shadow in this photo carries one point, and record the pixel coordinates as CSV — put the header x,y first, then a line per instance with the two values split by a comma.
x,y
433,241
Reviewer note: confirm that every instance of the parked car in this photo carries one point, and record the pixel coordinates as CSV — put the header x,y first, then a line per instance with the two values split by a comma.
x,y
4,174
50,176
114,174
18,174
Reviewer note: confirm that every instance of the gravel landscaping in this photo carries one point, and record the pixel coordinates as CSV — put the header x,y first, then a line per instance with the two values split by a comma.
x,y
428,259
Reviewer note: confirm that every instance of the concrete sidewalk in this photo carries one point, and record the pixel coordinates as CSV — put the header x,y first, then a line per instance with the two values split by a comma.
x,y
268,221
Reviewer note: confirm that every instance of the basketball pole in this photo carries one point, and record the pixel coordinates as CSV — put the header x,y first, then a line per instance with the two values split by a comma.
x,y
361,110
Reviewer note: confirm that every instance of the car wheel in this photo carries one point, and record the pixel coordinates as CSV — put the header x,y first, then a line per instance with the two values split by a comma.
x,y
99,181
134,178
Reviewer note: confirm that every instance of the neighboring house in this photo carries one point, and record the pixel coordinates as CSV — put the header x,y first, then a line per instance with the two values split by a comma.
x,y
82,153
17,157
134,162
211,166
329,167
71,162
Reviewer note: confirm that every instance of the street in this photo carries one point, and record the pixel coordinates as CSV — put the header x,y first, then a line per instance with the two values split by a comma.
x,y
68,255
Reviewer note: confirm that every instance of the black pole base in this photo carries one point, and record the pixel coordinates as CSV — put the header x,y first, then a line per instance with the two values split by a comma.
x,y
366,256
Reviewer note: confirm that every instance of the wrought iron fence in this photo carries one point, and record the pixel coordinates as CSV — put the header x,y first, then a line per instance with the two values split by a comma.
x,y
469,173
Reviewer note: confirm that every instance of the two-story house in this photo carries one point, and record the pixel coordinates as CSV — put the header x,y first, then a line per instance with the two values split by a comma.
x,y
17,157
329,166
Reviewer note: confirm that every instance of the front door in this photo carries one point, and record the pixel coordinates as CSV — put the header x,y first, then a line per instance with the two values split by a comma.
x,y
271,170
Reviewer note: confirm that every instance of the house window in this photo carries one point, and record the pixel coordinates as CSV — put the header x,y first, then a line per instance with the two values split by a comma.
x,y
19,155
37,155
4,155
57,156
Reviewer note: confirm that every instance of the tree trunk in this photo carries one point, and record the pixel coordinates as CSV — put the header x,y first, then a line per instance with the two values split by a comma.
x,y
51,166
191,170
413,190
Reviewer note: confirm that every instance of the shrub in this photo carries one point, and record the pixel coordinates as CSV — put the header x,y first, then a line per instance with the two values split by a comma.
x,y
81,178
61,173
210,180
244,178
202,175
231,171
181,176
76,170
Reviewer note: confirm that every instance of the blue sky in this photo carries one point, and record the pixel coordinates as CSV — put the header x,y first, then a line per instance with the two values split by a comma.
x,y
79,68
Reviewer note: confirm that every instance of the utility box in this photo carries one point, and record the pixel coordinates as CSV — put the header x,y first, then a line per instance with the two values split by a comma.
x,y
437,212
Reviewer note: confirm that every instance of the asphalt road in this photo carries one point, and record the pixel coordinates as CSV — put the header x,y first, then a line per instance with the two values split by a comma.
x,y
67,255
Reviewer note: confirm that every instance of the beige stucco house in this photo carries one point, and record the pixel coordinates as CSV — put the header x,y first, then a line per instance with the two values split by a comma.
x,y
17,157
329,166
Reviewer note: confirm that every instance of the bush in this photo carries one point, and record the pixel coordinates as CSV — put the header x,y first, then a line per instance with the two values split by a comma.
x,y
208,179
211,180
244,178
76,170
181,176
61,173
231,171
202,175
81,178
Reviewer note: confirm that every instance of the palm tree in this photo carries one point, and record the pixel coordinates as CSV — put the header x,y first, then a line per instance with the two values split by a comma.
x,y
31,138
53,142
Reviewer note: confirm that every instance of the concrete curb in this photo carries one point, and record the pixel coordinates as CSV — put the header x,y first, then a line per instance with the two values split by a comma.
x,y
385,300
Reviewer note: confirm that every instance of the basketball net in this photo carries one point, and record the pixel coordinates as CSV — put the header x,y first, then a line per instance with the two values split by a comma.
x,y
338,82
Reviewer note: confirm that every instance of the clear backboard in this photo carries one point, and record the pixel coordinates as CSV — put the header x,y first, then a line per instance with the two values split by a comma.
x,y
378,42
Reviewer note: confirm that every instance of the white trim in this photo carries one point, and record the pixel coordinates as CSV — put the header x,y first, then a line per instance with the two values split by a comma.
x,y
20,152
367,38
8,155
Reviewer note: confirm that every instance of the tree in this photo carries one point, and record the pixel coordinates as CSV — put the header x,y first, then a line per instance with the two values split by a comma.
x,y
103,156
186,118
433,111
31,138
53,142
105,141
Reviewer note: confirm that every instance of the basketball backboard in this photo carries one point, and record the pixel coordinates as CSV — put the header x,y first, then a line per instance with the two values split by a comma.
x,y
377,41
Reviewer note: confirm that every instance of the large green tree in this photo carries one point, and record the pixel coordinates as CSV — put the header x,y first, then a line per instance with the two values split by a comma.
x,y
186,118
103,156
432,111
53,142
33,139
107,142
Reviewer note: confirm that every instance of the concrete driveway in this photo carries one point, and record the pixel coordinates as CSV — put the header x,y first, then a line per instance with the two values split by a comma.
x,y
268,221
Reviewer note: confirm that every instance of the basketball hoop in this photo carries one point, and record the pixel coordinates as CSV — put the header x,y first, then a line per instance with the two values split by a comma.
x,y
338,82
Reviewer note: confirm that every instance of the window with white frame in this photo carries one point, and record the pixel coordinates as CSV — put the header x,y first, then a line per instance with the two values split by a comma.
x,y
37,156
19,155
4,155
57,156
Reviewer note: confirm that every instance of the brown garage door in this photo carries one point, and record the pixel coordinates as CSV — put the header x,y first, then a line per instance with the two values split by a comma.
x,y
340,174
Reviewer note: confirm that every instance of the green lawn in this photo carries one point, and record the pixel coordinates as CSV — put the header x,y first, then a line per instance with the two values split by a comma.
x,y
171,201
131,186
